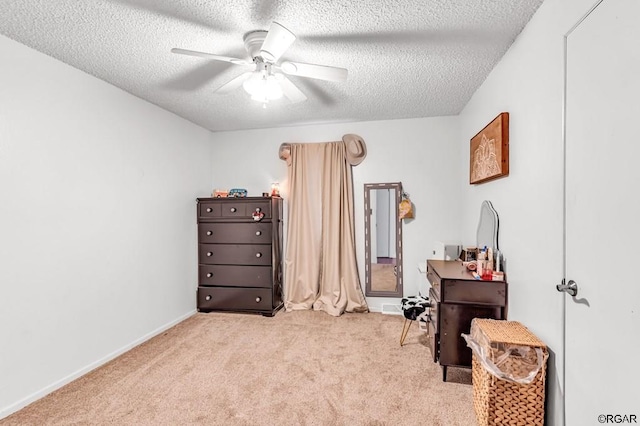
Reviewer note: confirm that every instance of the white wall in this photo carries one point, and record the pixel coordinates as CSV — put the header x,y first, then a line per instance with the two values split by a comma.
x,y
528,83
423,154
97,221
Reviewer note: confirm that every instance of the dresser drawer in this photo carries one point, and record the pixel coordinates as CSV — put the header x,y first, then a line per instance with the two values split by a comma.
x,y
234,254
235,276
234,299
209,210
246,233
245,208
262,206
234,209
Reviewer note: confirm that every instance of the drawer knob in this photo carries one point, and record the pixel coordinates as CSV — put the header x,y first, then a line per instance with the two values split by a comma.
x,y
258,233
208,297
258,254
233,209
209,254
209,233
209,209
209,275
258,299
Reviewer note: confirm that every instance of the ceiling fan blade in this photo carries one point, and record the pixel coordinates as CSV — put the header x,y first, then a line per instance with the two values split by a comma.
x,y
233,84
175,11
321,72
277,42
236,61
292,93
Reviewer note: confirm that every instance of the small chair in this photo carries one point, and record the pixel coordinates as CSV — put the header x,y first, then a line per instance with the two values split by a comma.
x,y
414,308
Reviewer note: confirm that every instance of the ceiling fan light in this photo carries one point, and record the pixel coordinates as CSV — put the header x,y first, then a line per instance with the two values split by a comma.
x,y
263,88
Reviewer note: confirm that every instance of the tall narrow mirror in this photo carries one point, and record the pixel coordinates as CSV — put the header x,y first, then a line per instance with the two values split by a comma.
x,y
383,239
488,224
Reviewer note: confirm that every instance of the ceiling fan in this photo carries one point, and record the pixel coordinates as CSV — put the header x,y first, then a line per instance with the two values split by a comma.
x,y
267,81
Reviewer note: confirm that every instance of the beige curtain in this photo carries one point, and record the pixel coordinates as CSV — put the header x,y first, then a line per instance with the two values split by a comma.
x,y
320,264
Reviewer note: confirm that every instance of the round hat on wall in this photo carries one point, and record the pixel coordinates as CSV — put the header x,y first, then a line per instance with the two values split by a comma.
x,y
356,149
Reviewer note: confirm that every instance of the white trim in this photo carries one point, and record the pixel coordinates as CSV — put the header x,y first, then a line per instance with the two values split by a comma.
x,y
6,411
391,309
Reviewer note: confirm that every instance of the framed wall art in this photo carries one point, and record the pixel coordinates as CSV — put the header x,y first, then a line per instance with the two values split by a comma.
x,y
489,155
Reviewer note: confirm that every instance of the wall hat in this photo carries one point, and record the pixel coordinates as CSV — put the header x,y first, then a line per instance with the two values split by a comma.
x,y
285,153
356,149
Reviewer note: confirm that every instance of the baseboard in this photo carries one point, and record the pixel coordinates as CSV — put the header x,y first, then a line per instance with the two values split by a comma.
x,y
6,411
391,309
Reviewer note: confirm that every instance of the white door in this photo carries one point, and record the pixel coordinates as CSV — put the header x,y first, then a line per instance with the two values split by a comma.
x,y
603,216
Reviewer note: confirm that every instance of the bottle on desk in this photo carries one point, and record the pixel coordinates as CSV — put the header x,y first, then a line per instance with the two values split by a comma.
x,y
485,263
482,256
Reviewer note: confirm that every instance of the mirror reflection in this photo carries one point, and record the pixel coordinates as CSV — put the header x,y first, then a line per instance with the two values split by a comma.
x,y
383,240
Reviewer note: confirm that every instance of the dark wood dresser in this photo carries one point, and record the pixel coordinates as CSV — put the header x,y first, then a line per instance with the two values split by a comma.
x,y
456,298
239,257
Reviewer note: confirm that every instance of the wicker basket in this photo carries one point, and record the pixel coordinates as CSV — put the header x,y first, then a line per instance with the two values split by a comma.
x,y
501,402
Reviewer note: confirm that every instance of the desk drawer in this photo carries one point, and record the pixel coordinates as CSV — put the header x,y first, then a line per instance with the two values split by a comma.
x,y
433,310
433,341
475,291
434,280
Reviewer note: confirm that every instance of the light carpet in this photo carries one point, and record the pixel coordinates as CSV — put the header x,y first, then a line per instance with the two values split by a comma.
x,y
297,368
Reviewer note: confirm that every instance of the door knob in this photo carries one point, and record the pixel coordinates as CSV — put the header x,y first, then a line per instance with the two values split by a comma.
x,y
571,288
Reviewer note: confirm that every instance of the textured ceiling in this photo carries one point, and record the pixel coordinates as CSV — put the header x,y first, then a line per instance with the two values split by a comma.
x,y
406,58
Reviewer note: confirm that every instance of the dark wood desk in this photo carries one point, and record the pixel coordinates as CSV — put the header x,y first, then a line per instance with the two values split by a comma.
x,y
456,298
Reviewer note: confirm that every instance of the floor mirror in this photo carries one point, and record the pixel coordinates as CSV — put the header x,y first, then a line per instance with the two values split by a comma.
x,y
383,239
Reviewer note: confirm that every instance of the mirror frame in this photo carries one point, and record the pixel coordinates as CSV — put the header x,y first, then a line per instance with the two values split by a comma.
x,y
368,187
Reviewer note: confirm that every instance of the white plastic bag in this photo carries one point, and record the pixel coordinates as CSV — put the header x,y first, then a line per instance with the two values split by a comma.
x,y
531,360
